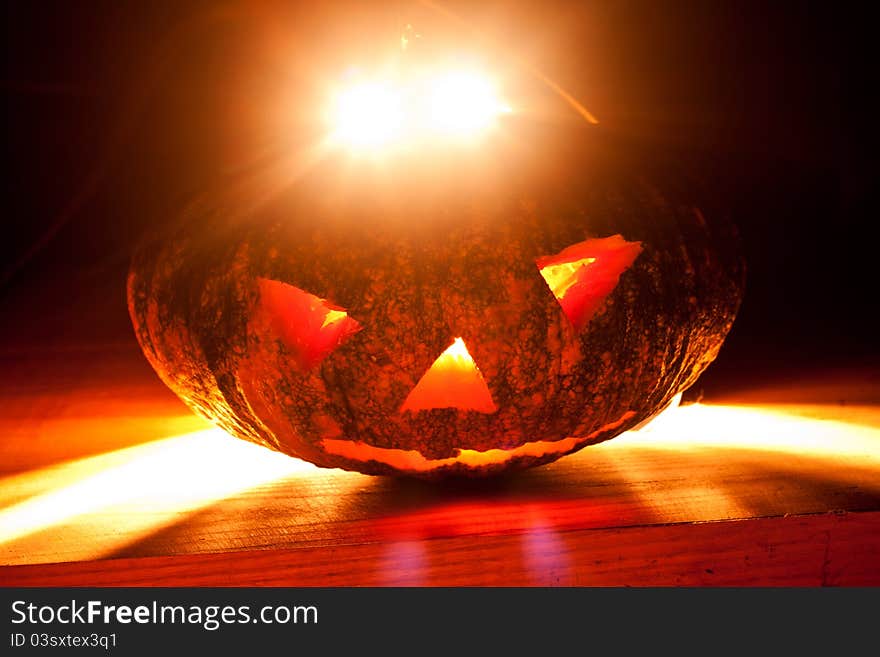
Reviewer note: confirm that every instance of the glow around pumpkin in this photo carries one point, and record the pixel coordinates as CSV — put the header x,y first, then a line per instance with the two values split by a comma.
x,y
492,308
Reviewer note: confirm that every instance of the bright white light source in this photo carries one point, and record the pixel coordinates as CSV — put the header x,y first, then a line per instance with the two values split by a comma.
x,y
462,103
368,114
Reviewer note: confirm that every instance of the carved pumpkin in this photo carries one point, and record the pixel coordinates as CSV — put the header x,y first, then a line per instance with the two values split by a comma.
x,y
482,311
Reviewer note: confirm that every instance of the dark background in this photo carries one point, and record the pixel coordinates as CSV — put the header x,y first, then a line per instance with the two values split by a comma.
x,y
116,112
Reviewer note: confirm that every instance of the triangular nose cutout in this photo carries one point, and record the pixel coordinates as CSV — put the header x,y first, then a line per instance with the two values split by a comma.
x,y
453,381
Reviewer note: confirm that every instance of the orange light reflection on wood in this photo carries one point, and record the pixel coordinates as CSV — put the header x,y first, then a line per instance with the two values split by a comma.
x,y
136,490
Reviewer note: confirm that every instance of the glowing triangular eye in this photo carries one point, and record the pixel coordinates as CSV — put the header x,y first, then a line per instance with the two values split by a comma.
x,y
453,381
310,327
583,274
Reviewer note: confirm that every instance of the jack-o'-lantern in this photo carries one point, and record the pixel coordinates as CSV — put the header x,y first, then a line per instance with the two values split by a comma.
x,y
448,308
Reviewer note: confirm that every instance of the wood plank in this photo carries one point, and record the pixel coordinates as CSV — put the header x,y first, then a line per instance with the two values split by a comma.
x,y
206,492
821,550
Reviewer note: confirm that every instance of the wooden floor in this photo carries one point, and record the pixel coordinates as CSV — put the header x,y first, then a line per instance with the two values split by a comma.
x,y
107,479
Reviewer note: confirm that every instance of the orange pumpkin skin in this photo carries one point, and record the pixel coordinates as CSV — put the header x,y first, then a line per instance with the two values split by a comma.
x,y
220,307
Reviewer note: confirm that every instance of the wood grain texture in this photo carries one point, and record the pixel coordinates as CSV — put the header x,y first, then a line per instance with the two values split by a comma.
x,y
106,479
823,550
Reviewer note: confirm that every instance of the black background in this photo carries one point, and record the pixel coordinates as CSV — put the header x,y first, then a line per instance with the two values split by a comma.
x,y
115,112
